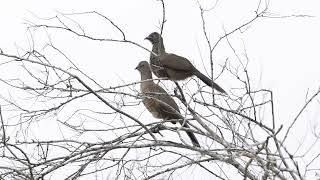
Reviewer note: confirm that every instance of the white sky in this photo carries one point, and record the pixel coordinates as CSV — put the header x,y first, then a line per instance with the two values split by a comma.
x,y
283,52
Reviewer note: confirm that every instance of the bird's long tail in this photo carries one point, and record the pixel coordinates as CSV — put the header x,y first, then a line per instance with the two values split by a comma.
x,y
208,81
192,137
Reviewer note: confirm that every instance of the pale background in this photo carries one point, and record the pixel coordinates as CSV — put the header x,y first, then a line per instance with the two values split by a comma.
x,y
283,52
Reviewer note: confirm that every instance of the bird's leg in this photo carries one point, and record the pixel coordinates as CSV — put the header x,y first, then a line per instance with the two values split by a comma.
x,y
157,128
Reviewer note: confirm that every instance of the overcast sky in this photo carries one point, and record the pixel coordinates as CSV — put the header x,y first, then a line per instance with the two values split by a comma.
x,y
283,52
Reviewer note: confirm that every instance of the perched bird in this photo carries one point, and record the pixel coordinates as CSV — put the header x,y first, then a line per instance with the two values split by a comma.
x,y
172,66
158,102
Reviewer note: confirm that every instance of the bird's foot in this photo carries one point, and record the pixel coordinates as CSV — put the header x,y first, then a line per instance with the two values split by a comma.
x,y
157,128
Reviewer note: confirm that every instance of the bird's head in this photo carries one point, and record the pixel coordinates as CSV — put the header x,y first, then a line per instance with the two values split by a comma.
x,y
143,66
154,38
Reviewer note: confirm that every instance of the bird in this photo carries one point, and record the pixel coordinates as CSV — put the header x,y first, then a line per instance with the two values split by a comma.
x,y
158,102
172,66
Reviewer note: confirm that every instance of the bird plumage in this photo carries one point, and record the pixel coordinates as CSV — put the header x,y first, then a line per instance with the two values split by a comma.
x,y
173,66
158,102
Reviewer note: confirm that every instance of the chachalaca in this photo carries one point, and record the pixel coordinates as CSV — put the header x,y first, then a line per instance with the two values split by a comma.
x,y
158,102
172,66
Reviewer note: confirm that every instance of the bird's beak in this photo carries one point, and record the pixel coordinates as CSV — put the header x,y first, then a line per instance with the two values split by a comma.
x,y
147,38
137,67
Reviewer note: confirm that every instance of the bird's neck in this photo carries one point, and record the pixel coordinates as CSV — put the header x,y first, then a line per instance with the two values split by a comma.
x,y
146,78
158,48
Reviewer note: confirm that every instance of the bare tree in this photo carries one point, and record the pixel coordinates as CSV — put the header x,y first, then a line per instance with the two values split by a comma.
x,y
102,136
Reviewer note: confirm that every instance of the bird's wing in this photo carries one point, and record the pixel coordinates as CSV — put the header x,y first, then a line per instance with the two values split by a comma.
x,y
165,97
163,100
176,62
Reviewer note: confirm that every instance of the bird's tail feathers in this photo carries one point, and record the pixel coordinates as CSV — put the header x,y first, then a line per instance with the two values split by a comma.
x,y
192,137
208,81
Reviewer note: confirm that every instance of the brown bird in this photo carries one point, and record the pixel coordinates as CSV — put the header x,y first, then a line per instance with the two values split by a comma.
x,y
158,102
172,66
